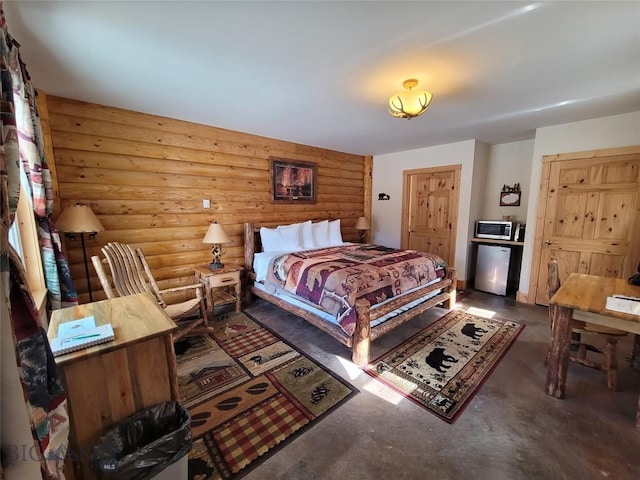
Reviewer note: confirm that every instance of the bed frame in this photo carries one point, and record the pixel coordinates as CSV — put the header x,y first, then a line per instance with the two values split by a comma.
x,y
364,333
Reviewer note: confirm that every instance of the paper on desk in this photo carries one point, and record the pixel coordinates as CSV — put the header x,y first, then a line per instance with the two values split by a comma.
x,y
76,327
623,304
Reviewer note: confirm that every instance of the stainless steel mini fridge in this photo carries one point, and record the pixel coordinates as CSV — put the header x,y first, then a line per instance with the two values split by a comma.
x,y
492,269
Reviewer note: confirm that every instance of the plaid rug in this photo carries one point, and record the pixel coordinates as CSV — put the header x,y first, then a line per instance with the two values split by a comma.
x,y
443,366
248,393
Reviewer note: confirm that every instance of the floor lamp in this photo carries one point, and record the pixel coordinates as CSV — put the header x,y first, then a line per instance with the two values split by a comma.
x,y
79,219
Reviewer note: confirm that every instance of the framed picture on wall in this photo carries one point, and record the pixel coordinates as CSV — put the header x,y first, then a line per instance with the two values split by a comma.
x,y
292,181
510,199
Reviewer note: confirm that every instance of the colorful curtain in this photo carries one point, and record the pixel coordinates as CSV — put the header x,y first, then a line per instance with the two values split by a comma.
x,y
43,391
20,148
33,163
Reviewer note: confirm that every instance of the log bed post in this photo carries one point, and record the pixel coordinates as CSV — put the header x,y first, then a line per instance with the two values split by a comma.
x,y
249,250
249,246
362,333
450,303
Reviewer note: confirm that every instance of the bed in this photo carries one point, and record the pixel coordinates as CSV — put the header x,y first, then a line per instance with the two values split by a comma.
x,y
288,273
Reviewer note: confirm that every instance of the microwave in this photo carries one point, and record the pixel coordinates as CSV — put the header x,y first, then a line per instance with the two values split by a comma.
x,y
494,229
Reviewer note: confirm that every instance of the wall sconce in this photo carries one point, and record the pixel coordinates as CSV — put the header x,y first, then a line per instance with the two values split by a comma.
x,y
362,224
80,219
216,236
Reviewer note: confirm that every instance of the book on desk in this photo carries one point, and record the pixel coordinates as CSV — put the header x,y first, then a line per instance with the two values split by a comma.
x,y
80,334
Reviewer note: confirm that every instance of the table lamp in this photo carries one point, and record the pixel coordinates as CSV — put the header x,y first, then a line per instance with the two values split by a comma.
x,y
80,219
362,224
216,236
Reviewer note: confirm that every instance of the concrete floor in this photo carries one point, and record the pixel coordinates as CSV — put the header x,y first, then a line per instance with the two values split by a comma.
x,y
510,430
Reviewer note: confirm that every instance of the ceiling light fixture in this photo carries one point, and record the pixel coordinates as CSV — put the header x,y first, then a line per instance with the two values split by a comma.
x,y
411,103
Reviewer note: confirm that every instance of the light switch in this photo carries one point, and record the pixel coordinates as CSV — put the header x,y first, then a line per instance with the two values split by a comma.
x,y
206,203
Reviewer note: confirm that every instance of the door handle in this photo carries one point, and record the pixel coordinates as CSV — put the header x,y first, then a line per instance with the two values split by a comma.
x,y
548,242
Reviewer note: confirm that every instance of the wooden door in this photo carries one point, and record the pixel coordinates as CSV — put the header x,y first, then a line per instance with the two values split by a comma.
x,y
591,215
430,210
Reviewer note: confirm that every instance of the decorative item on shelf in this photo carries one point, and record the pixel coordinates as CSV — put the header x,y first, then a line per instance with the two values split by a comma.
x,y
510,196
362,224
80,219
411,103
216,236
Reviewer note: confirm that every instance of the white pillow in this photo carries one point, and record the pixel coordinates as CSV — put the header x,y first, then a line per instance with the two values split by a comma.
x,y
306,234
306,237
320,233
335,235
280,239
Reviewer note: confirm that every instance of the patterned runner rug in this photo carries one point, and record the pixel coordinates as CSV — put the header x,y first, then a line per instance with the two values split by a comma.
x,y
249,393
444,365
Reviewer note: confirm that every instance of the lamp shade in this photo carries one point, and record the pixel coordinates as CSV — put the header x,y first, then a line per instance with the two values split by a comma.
x,y
216,234
363,224
410,103
78,219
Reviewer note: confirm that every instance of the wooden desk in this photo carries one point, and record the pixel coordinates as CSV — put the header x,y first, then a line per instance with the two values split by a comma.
x,y
587,293
108,382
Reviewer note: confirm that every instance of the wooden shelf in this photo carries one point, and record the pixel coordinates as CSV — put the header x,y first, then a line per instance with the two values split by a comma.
x,y
220,297
497,242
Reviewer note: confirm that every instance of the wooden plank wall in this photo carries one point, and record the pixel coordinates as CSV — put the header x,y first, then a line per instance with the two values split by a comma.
x,y
145,178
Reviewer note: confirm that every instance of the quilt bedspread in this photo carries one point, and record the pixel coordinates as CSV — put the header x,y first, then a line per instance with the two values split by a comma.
x,y
334,278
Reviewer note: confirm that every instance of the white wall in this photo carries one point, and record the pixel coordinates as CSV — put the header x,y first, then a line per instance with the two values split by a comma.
x,y
517,162
509,163
607,132
481,172
479,177
386,216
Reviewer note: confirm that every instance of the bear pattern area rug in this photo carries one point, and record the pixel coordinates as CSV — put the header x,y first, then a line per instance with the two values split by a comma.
x,y
248,393
442,367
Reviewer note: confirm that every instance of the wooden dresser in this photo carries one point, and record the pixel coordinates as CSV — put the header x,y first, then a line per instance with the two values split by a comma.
x,y
107,382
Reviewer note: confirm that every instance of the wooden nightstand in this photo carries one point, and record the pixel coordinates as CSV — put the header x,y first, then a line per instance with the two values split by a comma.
x,y
218,285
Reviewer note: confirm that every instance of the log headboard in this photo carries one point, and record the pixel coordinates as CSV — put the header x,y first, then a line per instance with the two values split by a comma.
x,y
251,245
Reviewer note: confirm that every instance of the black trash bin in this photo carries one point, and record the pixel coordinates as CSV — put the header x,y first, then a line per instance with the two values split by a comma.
x,y
142,445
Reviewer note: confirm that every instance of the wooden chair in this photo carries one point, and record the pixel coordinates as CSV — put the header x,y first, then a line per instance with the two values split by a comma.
x,y
580,327
130,274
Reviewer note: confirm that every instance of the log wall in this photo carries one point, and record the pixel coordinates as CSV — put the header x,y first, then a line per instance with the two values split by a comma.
x,y
145,178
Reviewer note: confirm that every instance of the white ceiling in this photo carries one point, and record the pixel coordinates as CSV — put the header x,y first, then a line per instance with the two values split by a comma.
x,y
320,73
